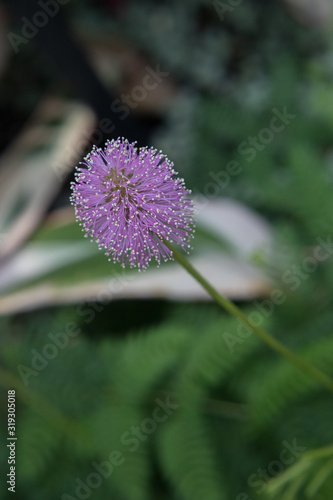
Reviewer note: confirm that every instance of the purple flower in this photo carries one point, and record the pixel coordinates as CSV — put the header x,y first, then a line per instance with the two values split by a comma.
x,y
128,200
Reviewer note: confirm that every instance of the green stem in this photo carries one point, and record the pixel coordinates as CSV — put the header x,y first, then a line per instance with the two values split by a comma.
x,y
303,365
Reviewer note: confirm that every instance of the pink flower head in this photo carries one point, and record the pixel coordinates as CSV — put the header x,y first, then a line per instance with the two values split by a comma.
x,y
128,200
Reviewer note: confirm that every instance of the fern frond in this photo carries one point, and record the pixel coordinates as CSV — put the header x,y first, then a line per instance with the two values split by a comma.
x,y
36,446
308,478
312,199
187,457
285,384
212,357
116,433
145,358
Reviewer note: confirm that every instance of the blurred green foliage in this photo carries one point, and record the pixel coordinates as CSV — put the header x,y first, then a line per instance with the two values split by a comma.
x,y
235,407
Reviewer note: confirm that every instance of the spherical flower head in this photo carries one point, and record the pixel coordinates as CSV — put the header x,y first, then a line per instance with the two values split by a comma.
x,y
129,200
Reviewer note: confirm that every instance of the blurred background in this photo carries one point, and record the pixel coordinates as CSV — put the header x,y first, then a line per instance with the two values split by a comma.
x,y
134,386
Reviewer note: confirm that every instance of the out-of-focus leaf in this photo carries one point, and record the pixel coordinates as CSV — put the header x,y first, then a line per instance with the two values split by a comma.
x,y
229,234
33,168
40,259
317,13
